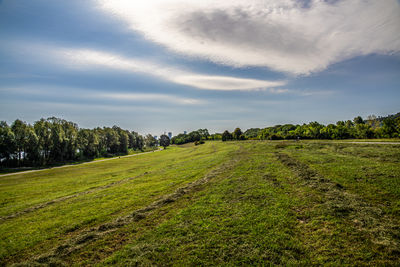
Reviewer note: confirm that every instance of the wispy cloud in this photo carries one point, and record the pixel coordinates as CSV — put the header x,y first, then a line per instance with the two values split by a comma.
x,y
155,98
85,58
116,98
282,35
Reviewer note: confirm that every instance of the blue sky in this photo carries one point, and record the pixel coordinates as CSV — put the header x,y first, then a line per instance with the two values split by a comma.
x,y
173,65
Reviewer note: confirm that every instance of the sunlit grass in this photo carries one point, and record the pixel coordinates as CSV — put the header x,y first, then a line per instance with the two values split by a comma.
x,y
234,203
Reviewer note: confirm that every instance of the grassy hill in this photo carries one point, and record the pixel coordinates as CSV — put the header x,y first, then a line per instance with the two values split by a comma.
x,y
230,203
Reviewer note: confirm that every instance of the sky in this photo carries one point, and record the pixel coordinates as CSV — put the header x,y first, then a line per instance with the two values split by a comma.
x,y
156,66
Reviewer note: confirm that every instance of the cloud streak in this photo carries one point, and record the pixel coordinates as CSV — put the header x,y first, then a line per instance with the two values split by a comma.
x,y
86,58
281,35
116,98
160,98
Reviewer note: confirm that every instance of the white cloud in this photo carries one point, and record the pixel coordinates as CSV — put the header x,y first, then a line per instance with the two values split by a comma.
x,y
282,35
163,98
124,98
79,58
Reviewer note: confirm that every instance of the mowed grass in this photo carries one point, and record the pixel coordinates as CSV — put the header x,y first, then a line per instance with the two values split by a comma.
x,y
233,203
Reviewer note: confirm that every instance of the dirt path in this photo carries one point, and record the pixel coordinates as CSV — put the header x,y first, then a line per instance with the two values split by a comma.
x,y
71,165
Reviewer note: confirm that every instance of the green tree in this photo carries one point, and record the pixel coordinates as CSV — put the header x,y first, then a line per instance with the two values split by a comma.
x,y
43,132
57,139
123,140
252,133
150,141
194,136
32,149
164,141
112,140
88,143
226,135
203,133
237,133
358,120
137,141
20,130
7,142
389,128
69,146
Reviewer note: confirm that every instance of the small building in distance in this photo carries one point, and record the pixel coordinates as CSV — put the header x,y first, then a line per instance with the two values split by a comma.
x,y
170,135
184,132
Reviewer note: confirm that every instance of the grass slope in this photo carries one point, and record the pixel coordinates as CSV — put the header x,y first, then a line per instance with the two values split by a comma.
x,y
220,203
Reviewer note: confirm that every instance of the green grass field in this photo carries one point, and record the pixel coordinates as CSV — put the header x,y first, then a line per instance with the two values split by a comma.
x,y
233,203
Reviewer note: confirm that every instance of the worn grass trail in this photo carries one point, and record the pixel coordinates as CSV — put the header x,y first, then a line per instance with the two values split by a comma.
x,y
234,203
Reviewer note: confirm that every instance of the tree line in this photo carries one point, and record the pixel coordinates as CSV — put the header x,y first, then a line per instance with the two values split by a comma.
x,y
358,128
183,138
54,140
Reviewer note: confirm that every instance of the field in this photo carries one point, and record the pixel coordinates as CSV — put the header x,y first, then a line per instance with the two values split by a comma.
x,y
233,203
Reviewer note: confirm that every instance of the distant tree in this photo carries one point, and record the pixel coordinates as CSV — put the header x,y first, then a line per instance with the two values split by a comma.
x,y
136,141
32,150
123,142
7,141
252,132
139,142
340,123
226,136
88,143
237,133
194,136
389,128
112,140
150,141
216,136
20,130
164,141
203,133
43,132
358,120
70,139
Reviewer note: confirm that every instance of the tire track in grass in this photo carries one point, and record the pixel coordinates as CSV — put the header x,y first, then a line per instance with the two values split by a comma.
x,y
88,236
93,190
371,220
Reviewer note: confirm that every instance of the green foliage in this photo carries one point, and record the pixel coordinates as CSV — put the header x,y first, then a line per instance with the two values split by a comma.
x,y
226,136
7,141
54,140
164,141
252,133
358,120
359,129
150,141
237,134
201,134
216,136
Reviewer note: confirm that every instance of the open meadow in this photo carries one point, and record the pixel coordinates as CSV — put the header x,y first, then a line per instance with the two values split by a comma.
x,y
234,203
